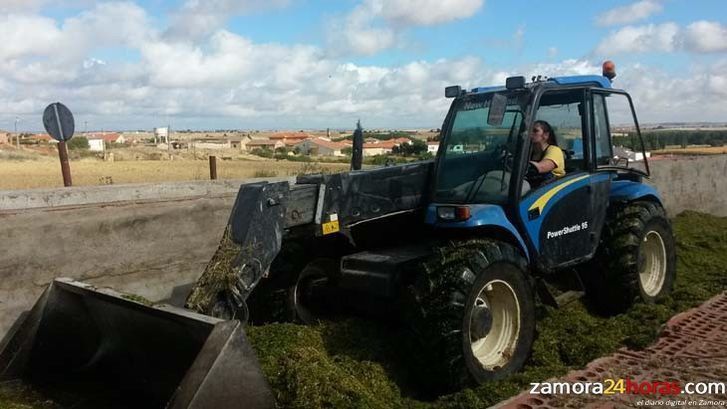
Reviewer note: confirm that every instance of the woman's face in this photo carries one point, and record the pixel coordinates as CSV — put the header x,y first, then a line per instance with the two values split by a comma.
x,y
538,135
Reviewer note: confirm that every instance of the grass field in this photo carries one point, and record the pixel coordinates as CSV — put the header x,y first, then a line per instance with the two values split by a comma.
x,y
45,172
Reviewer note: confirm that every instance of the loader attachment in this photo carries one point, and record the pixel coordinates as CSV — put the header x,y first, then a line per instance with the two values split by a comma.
x,y
249,244
95,348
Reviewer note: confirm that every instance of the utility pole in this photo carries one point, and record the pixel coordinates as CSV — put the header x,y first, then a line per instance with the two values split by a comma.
x,y
17,135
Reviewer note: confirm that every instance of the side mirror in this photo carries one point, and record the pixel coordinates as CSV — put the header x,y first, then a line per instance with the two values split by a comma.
x,y
498,105
515,82
453,91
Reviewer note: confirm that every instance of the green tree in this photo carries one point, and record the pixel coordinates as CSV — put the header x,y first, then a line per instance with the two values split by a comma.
x,y
265,153
78,142
413,148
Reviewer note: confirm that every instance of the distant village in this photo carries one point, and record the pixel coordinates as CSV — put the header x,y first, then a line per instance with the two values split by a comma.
x,y
291,143
338,144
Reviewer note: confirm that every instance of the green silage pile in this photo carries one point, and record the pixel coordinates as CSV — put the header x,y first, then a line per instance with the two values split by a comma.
x,y
363,364
16,395
354,363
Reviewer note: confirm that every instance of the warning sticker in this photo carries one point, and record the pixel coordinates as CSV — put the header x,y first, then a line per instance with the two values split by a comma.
x,y
331,227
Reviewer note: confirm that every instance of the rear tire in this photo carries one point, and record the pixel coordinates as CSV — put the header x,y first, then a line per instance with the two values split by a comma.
x,y
636,259
476,312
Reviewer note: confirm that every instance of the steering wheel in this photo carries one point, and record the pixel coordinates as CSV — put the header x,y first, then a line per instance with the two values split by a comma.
x,y
503,152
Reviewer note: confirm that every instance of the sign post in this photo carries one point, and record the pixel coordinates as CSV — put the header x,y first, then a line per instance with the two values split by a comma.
x,y
58,122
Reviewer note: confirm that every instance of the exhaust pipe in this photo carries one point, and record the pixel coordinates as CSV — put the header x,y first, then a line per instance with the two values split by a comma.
x,y
95,348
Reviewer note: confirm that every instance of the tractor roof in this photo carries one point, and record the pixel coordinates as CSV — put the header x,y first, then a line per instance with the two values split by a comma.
x,y
595,80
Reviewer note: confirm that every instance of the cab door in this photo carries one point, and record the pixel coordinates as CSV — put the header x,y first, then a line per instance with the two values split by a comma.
x,y
563,219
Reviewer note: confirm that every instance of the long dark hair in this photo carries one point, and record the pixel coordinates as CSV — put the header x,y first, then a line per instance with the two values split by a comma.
x,y
549,129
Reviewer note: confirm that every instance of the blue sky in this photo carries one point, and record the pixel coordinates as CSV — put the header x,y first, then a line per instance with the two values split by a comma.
x,y
286,64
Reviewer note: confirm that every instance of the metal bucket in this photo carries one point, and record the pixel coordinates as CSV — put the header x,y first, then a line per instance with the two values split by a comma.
x,y
95,348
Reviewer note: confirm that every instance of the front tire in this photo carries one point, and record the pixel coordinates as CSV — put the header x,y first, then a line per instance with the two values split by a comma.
x,y
476,311
308,296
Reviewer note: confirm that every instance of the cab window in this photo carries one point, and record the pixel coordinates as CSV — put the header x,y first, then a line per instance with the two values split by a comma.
x,y
604,152
564,112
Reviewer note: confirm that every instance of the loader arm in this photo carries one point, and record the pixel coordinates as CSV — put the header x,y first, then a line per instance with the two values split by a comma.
x,y
264,211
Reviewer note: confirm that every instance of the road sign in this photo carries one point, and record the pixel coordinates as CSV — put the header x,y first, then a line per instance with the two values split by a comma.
x,y
58,122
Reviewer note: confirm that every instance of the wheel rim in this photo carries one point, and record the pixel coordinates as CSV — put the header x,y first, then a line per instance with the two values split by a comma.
x,y
307,305
652,271
495,349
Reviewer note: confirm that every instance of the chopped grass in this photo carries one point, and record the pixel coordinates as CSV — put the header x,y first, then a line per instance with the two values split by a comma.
x,y
219,276
355,363
16,395
137,298
358,363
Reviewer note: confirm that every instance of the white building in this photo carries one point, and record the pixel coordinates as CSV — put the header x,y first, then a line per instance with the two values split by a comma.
x,y
263,144
432,147
620,152
96,145
161,134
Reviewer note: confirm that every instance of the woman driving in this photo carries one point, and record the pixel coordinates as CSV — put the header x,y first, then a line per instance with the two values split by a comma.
x,y
547,161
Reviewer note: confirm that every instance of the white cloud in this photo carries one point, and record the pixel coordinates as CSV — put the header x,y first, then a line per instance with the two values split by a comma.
x,y
358,32
228,80
376,25
25,35
694,95
25,6
697,94
705,36
427,12
197,19
629,14
565,67
226,77
14,6
698,37
635,39
552,52
91,62
31,35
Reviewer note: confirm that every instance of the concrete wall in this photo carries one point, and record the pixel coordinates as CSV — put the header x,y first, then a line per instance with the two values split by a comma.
x,y
150,239
697,183
142,239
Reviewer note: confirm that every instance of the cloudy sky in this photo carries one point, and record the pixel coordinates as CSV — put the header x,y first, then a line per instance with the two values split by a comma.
x,y
295,64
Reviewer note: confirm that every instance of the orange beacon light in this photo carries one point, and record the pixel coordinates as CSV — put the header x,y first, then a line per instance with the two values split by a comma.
x,y
609,69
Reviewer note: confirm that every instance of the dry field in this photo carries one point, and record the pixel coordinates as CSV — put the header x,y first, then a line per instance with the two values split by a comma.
x,y
45,172
713,150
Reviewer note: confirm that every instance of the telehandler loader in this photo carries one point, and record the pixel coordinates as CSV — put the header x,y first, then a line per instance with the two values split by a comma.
x,y
461,244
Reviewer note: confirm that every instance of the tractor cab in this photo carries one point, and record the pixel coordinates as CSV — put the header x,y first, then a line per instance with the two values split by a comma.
x,y
483,175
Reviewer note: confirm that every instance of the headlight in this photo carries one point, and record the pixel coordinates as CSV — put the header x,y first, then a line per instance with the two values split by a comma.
x,y
453,213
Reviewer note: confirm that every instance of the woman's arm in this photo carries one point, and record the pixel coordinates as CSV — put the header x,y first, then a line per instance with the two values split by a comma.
x,y
544,166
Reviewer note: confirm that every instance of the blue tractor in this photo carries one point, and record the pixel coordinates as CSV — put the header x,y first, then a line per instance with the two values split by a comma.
x,y
461,246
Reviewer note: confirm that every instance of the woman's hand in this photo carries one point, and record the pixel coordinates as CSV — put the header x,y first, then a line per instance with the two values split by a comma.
x,y
544,166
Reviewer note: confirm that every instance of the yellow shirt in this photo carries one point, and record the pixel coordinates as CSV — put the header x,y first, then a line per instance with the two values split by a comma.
x,y
555,154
